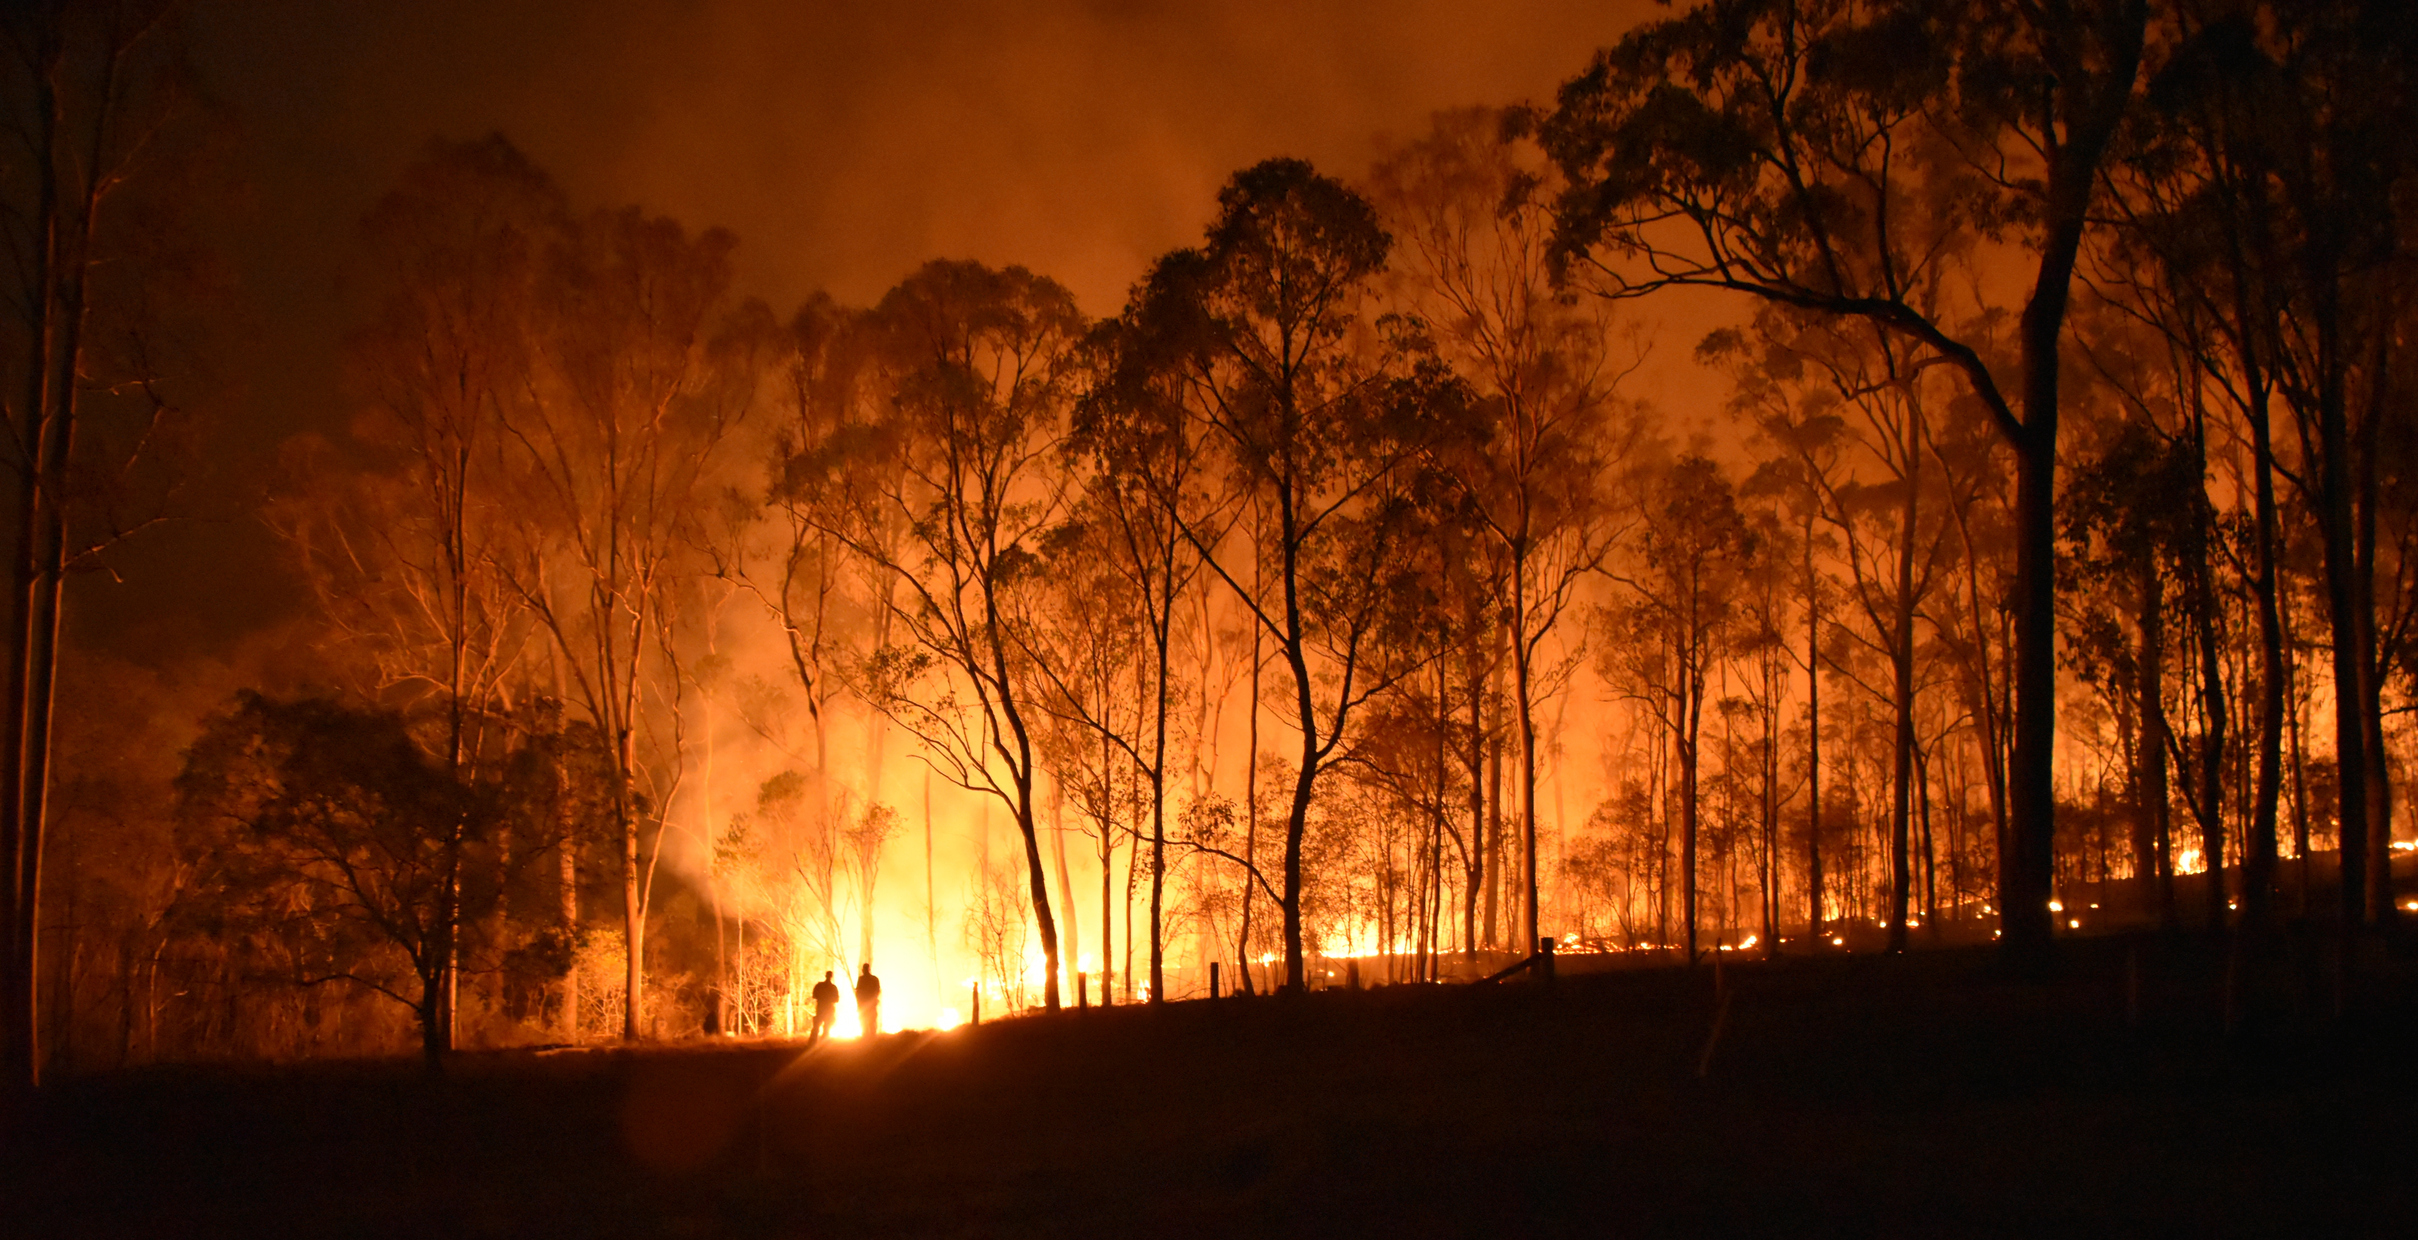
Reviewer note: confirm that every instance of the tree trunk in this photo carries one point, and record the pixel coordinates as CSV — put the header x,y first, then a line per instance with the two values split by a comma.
x,y
1775,670
568,876
1242,944
1297,819
1066,886
2028,864
1901,701
2155,869
1922,801
1813,745
1158,792
47,436
1523,679
2259,850
931,895
1689,700
432,1017
633,909
2336,527
1038,882
1494,843
2375,768
1474,872
2295,710
1443,778
2212,745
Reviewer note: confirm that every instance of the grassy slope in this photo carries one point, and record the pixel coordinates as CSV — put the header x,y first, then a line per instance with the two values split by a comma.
x,y
1861,1096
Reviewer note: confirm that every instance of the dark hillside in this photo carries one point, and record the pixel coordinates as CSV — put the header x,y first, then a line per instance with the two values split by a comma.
x,y
1854,1095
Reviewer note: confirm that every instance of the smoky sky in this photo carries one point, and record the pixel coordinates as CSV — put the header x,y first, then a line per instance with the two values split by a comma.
x,y
843,143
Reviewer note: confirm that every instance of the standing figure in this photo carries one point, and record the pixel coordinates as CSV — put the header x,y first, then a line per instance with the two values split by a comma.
x,y
826,1008
868,1001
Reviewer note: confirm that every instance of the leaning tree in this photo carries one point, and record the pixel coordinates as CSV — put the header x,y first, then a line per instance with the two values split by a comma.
x,y
1813,152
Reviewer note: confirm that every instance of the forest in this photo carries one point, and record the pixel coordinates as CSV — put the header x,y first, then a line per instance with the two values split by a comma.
x,y
2033,554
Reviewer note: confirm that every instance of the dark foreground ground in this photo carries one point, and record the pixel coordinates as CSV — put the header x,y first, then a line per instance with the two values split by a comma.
x,y
1865,1096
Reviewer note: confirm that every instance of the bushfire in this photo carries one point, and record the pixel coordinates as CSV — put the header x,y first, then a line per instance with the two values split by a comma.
x,y
1558,525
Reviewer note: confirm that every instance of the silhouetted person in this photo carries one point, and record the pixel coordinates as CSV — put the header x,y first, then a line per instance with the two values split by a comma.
x,y
826,1007
869,1002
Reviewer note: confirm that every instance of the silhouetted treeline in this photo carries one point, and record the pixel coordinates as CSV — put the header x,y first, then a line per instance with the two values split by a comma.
x,y
2036,532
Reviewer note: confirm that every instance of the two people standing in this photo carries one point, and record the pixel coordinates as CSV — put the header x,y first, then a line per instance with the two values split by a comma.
x,y
827,1004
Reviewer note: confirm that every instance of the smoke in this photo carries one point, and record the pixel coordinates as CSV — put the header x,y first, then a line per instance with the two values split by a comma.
x,y
845,144
1080,139
848,143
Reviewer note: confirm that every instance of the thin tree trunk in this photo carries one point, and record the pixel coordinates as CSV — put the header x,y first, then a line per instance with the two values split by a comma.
x,y
1442,777
1901,701
1305,777
1523,679
1474,872
1037,883
1922,800
568,876
2375,768
1494,844
1769,879
2259,850
1813,745
2154,871
1242,947
1066,886
1158,787
931,897
2212,746
1691,695
633,910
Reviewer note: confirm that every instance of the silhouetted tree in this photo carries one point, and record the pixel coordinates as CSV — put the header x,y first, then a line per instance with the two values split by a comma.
x,y
332,826
1537,463
401,561
1145,462
1693,550
1804,433
978,366
89,99
1263,329
641,369
2263,188
1812,153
